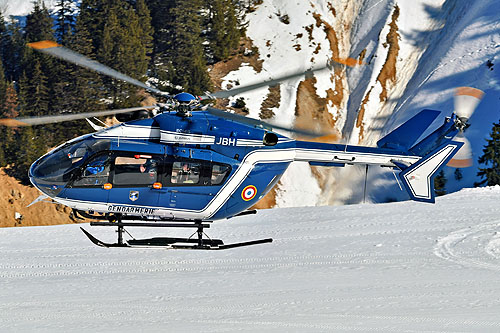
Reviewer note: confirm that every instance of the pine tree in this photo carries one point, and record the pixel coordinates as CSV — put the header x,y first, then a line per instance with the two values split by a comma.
x,y
8,109
93,17
440,183
491,159
178,52
34,93
3,95
3,85
185,48
41,72
121,38
3,161
114,51
224,33
12,51
458,174
39,23
30,146
3,35
9,106
65,18
146,33
83,86
161,21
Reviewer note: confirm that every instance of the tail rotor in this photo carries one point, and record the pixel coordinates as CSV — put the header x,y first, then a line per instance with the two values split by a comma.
x,y
466,101
463,158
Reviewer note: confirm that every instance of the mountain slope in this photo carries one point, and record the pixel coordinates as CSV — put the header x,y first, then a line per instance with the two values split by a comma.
x,y
399,267
415,54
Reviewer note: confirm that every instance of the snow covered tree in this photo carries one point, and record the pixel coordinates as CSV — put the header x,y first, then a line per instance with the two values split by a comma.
x,y
490,159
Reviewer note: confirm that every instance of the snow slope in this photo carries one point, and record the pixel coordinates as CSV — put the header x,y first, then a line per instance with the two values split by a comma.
x,y
24,7
399,267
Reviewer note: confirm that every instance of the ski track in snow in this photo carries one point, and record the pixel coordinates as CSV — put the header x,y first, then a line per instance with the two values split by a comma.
x,y
466,246
400,267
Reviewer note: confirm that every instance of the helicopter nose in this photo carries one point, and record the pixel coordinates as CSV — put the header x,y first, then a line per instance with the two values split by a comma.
x,y
31,174
36,180
43,179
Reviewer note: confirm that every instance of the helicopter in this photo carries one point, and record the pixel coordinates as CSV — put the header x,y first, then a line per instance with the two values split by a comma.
x,y
191,164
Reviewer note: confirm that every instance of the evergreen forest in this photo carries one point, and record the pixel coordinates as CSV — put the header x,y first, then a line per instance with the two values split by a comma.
x,y
171,42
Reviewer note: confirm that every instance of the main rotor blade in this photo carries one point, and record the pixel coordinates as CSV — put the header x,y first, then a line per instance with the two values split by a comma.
x,y
31,121
262,124
59,51
336,62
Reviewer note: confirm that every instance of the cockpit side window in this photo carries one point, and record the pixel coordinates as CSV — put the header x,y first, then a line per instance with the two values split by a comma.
x,y
136,170
95,172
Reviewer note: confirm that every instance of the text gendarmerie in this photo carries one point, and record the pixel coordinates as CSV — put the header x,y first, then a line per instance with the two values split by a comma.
x,y
132,210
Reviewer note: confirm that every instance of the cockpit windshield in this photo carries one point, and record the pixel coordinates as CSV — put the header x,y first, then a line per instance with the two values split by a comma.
x,y
57,167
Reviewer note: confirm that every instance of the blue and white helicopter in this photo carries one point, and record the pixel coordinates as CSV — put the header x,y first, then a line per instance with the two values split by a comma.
x,y
189,164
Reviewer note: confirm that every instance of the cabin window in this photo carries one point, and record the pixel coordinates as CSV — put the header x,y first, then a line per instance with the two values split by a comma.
x,y
95,172
136,170
189,172
219,173
185,173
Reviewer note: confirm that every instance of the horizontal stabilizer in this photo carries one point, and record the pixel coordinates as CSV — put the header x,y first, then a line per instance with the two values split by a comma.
x,y
403,137
418,179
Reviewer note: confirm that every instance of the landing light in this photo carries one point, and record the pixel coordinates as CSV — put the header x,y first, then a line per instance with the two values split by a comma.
x,y
142,156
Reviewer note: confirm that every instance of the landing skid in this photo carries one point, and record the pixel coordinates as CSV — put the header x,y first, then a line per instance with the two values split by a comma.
x,y
190,243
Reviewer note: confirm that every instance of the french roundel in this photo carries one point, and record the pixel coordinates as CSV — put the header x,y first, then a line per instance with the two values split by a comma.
x,y
249,193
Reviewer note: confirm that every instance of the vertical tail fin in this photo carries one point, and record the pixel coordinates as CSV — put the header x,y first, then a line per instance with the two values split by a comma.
x,y
418,179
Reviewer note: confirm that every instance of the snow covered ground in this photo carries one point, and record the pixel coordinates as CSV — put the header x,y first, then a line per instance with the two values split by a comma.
x,y
398,267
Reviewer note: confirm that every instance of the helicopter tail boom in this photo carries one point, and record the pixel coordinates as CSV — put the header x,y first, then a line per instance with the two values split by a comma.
x,y
415,172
